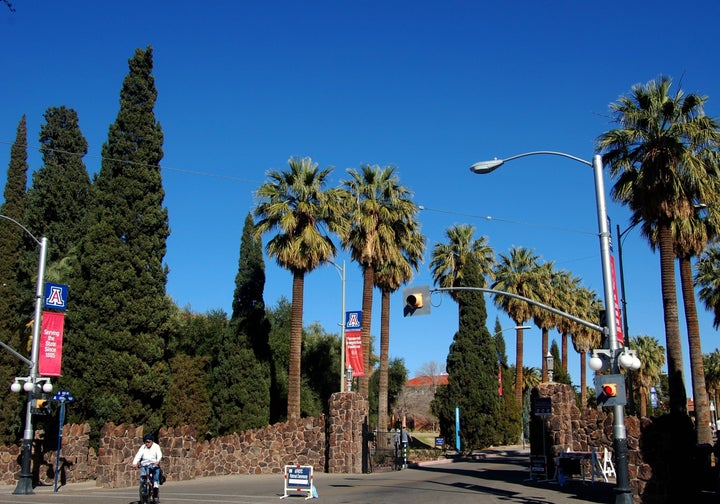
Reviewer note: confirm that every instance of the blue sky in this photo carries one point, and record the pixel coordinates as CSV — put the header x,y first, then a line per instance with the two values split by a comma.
x,y
428,87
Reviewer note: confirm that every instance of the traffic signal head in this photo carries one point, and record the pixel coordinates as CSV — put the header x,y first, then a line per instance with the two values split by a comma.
x,y
610,389
417,300
41,403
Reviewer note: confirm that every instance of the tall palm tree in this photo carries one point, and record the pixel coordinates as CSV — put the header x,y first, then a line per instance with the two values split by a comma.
x,y
566,287
295,205
584,339
691,238
654,155
516,273
707,278
378,202
711,364
651,354
395,271
449,258
543,318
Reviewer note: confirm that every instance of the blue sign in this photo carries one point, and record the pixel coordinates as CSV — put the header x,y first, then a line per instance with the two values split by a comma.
x,y
653,397
353,320
55,296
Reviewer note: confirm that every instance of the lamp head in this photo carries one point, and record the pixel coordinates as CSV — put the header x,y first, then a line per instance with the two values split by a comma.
x,y
15,387
47,387
483,167
28,386
595,363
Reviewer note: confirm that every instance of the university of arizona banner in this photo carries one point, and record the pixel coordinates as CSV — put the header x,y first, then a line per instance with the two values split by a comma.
x,y
353,342
51,337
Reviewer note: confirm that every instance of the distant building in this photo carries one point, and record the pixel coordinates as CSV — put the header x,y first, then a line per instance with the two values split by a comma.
x,y
414,402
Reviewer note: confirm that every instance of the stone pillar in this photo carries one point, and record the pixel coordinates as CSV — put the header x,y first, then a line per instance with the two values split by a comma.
x,y
347,419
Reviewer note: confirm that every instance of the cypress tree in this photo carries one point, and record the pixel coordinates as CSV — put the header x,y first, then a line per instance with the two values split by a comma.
x,y
11,324
119,325
242,375
472,372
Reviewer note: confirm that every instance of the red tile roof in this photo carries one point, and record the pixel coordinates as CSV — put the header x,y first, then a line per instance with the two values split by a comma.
x,y
427,381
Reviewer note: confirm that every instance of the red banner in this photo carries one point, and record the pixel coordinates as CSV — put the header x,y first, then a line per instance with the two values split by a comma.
x,y
616,303
353,343
51,338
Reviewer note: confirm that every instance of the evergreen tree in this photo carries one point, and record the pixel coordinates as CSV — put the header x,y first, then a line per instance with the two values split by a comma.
x,y
559,373
58,200
11,324
472,372
242,374
509,420
118,327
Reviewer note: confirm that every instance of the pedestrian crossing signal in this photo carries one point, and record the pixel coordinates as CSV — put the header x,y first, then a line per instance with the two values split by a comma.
x,y
610,389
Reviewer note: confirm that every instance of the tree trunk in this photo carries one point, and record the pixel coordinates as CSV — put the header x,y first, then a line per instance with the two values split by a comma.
x,y
368,284
583,379
643,402
678,397
382,422
295,345
519,364
564,351
697,371
543,353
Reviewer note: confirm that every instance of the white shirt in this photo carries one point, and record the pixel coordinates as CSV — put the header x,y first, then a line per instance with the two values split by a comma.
x,y
147,455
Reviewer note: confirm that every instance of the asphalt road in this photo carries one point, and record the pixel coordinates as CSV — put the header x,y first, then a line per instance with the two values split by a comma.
x,y
499,477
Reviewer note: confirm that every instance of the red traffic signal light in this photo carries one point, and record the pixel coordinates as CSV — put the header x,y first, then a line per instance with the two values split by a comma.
x,y
610,390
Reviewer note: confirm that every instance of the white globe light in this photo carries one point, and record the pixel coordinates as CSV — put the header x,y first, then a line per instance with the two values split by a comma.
x,y
47,387
636,364
595,363
16,387
625,360
28,386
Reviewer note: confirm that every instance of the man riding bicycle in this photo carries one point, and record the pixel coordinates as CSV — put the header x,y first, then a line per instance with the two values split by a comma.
x,y
149,456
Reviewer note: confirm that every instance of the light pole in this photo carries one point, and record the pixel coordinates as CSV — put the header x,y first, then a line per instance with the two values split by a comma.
x,y
341,272
24,485
626,330
623,490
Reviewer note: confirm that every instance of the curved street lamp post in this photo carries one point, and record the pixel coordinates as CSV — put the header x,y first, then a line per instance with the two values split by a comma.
x,y
614,352
32,381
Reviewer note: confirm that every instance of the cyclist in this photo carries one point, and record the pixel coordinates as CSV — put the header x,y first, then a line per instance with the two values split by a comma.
x,y
149,456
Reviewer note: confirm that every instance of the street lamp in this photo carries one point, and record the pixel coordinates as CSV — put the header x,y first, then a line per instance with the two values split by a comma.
x,y
349,378
341,272
32,382
623,490
549,364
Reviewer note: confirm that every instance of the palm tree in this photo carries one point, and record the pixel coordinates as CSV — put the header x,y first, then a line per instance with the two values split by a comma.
x,y
711,364
566,286
543,318
584,339
294,204
394,271
655,155
691,238
707,278
378,203
651,354
516,274
448,259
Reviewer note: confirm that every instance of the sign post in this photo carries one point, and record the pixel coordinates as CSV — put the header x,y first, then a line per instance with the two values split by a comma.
x,y
299,478
63,396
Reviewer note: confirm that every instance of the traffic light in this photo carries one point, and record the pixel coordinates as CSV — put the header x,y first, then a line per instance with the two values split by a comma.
x,y
41,406
417,300
610,390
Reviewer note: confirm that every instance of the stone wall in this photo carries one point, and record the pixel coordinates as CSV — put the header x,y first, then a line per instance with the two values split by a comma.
x,y
663,463
335,446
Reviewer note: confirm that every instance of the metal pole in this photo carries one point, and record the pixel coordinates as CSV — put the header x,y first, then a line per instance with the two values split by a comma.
x,y
24,485
623,492
342,328
59,442
628,375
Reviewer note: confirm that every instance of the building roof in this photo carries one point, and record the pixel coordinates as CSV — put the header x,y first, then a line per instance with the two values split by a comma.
x,y
427,381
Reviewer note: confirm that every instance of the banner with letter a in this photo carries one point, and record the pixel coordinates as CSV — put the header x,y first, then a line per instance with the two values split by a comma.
x,y
51,338
353,342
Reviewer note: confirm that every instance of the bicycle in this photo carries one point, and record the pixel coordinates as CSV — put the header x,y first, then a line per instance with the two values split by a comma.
x,y
148,493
